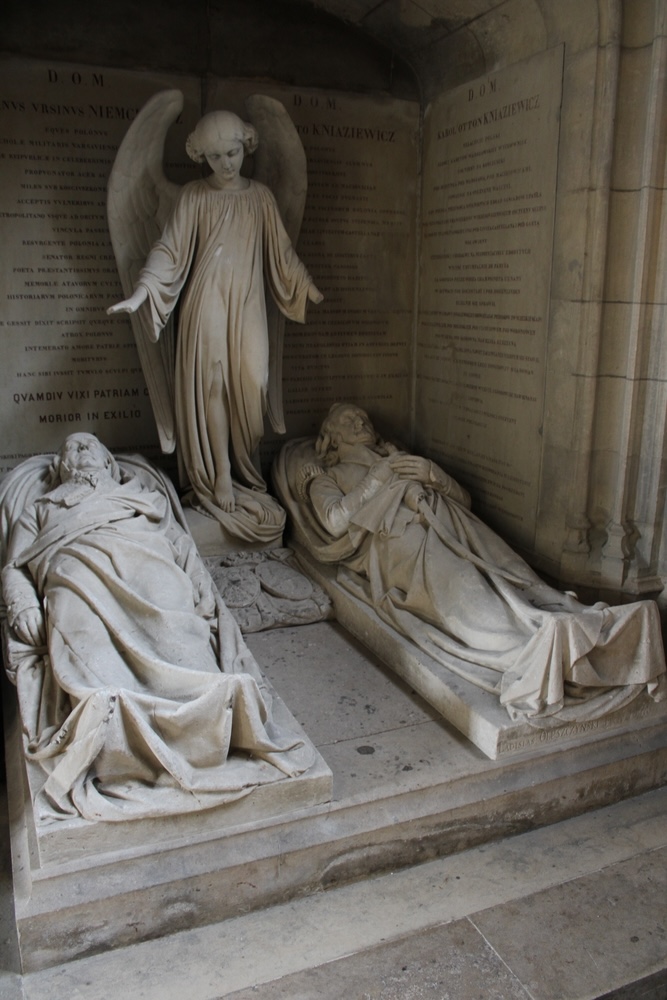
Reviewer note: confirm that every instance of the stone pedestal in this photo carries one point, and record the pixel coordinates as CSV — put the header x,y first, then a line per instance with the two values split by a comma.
x,y
82,886
407,788
474,712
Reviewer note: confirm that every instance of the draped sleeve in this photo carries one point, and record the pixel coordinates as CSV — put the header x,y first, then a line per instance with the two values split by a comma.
x,y
167,267
285,275
18,588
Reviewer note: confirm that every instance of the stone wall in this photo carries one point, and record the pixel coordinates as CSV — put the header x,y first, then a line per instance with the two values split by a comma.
x,y
598,471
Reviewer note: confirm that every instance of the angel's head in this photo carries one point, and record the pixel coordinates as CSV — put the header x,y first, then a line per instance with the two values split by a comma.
x,y
222,140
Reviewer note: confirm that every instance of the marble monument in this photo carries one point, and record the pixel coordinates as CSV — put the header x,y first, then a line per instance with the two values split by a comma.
x,y
138,697
222,241
406,544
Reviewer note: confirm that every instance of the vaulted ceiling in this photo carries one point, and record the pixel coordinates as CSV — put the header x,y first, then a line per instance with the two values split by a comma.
x,y
447,42
412,48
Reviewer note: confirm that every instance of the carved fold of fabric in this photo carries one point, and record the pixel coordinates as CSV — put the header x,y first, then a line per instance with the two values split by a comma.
x,y
444,580
226,244
141,707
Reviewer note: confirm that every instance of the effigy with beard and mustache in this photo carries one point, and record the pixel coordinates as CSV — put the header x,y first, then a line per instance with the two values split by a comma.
x,y
138,696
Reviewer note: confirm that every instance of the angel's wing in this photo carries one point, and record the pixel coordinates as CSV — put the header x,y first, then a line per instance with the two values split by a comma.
x,y
139,202
280,163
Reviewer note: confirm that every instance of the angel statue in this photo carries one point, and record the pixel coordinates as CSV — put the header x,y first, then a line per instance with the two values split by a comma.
x,y
211,246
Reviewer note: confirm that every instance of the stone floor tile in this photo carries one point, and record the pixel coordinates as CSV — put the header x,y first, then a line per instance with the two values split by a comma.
x,y
450,962
11,987
588,936
317,930
650,988
372,730
349,693
390,762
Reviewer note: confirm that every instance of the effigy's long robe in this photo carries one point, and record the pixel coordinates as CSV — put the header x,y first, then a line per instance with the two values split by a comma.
x,y
141,704
218,249
445,580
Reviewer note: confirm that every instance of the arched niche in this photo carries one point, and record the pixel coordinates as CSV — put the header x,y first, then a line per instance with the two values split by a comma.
x,y
599,508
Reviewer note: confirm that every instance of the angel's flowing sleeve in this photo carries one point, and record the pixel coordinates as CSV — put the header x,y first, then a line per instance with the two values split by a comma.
x,y
167,267
286,276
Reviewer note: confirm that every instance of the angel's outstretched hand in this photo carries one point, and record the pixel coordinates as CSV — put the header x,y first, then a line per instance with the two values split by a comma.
x,y
130,305
315,295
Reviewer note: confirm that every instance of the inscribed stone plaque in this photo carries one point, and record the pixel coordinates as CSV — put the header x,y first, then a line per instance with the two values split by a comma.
x,y
490,167
67,366
358,240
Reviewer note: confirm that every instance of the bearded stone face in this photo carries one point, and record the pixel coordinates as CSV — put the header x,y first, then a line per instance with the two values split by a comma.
x,y
83,457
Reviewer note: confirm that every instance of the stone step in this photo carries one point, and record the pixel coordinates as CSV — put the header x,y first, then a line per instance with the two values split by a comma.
x,y
576,910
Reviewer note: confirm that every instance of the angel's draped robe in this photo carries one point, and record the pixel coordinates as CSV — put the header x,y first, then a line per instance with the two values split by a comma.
x,y
131,714
220,248
444,579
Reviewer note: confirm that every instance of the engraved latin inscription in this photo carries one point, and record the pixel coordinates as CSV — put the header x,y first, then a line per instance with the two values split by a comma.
x,y
487,232
66,364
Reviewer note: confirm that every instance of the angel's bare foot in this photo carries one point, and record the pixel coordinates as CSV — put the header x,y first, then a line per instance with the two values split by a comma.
x,y
224,495
226,502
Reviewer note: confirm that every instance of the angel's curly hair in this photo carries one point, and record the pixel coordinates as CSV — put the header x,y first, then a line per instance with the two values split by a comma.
x,y
213,123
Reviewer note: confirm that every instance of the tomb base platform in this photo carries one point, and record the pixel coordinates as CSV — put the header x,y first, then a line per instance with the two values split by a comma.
x,y
213,540
476,713
407,787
